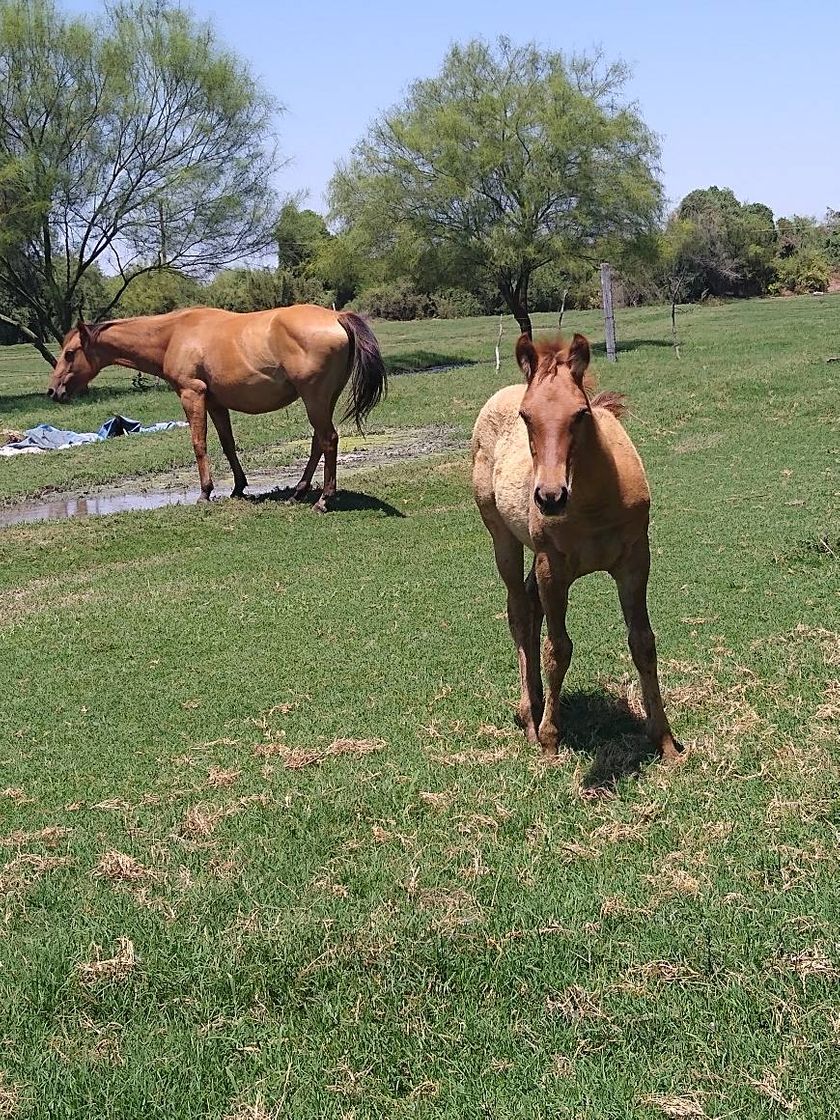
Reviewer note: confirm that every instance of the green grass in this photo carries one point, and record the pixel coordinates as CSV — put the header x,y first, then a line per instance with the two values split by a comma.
x,y
424,920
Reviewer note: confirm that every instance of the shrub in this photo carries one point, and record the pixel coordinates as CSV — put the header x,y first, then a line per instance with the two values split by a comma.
x,y
805,271
396,300
455,303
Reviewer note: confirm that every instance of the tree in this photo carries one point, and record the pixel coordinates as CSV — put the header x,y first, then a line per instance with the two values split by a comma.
x,y
735,243
133,143
299,234
514,155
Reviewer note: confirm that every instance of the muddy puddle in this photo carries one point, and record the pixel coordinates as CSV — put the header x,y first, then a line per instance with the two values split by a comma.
x,y
169,490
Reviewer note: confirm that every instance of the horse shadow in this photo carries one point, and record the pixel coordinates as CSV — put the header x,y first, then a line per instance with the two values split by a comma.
x,y
345,501
604,727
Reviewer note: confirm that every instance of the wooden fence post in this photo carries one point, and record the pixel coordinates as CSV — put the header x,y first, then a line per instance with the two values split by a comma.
x,y
609,318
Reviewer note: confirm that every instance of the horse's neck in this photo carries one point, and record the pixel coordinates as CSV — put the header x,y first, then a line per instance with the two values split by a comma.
x,y
137,343
598,481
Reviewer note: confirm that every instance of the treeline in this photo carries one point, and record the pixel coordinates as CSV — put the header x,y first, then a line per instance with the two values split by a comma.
x,y
138,158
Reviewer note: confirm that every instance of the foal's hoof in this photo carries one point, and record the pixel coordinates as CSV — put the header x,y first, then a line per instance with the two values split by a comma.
x,y
671,751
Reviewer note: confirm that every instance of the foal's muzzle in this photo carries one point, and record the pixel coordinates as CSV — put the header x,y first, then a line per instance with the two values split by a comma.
x,y
551,503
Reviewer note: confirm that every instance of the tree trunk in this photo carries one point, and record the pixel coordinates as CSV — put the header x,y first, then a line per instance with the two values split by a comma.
x,y
516,297
30,336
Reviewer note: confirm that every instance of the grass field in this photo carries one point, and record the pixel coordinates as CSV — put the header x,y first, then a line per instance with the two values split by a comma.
x,y
271,846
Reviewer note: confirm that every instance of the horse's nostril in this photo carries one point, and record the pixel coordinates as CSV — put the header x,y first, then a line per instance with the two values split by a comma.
x,y
50,392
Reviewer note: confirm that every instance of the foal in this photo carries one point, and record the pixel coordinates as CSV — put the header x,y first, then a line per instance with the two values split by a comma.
x,y
556,472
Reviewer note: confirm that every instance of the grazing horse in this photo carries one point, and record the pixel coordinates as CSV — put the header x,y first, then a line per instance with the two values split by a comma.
x,y
258,362
554,471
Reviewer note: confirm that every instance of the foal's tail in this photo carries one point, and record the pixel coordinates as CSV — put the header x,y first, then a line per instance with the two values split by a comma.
x,y
369,377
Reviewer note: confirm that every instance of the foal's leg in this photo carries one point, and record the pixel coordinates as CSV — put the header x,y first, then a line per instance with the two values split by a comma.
x,y
557,647
524,622
303,487
193,398
632,579
221,421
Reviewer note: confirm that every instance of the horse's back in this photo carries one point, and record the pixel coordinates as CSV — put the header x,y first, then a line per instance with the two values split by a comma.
x,y
502,464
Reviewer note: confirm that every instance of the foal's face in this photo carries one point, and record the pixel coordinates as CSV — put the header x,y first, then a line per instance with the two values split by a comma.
x,y
556,412
74,369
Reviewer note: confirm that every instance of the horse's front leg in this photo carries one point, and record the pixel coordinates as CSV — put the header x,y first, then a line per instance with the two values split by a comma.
x,y
632,580
557,647
193,397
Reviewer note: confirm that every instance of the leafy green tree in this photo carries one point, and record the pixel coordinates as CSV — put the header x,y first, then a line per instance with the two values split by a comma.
x,y
130,143
512,156
155,293
300,234
735,243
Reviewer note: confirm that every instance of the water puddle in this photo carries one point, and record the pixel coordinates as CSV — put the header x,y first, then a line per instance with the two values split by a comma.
x,y
420,443
60,507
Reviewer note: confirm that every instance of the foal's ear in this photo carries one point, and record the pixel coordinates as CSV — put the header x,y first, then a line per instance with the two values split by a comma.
x,y
84,333
526,356
577,358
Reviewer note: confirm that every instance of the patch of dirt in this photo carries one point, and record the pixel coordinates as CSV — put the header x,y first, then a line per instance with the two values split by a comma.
x,y
181,487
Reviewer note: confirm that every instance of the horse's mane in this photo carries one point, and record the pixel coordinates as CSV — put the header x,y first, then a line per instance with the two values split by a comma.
x,y
613,402
555,351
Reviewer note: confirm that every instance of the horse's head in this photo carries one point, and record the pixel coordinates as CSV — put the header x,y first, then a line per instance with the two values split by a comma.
x,y
557,414
76,366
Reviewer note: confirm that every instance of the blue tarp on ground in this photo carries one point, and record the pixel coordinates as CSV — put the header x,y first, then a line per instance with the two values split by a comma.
x,y
45,437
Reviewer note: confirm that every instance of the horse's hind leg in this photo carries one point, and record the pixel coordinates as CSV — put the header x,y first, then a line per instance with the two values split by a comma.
x,y
221,421
632,579
303,487
320,413
524,620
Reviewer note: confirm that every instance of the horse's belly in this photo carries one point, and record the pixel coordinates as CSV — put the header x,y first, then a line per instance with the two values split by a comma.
x,y
256,392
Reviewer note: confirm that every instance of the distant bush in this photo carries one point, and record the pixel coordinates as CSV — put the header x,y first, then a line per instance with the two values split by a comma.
x,y
397,300
455,303
805,271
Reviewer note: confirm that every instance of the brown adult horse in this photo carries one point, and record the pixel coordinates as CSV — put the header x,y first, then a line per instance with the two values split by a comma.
x,y
258,362
556,472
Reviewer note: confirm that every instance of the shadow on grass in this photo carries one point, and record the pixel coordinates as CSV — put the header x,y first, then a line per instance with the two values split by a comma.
x,y
346,501
424,361
600,348
602,726
60,415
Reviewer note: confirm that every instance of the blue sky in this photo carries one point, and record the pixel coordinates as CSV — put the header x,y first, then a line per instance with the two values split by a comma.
x,y
744,94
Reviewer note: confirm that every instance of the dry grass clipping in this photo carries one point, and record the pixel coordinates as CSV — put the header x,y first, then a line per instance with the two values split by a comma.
x,y
294,758
677,1108
119,967
50,836
118,867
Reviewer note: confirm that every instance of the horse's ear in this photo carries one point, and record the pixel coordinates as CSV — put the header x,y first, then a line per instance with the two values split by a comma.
x,y
578,357
526,356
84,333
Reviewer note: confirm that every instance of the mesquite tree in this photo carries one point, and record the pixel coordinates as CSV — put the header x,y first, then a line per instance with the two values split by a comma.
x,y
514,155
127,144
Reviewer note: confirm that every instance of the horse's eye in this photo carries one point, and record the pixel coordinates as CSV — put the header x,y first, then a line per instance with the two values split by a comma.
x,y
69,355
580,414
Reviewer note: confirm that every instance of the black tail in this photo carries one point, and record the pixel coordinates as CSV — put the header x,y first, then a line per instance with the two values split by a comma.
x,y
369,379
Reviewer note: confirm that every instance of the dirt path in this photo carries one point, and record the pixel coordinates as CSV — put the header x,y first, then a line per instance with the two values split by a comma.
x,y
181,487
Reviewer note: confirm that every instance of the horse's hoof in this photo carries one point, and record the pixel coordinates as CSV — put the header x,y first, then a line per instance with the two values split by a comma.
x,y
321,506
202,498
238,491
300,493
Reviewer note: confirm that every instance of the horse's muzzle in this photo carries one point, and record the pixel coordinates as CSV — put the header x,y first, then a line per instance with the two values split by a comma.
x,y
551,503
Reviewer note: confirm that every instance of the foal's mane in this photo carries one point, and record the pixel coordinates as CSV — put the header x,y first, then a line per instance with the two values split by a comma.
x,y
554,352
